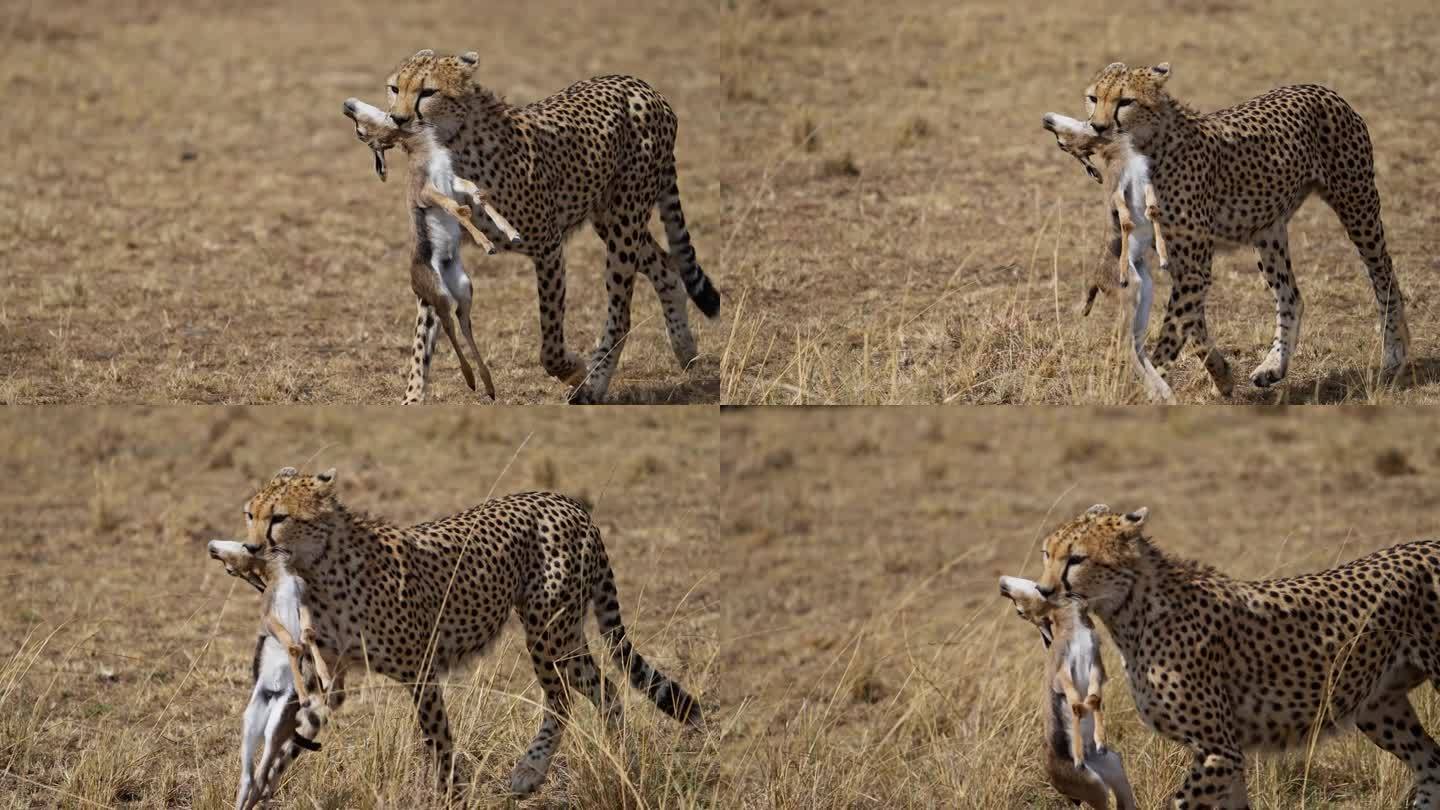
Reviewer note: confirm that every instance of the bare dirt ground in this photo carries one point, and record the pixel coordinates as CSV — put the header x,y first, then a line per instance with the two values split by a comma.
x,y
882,669
125,651
190,218
902,231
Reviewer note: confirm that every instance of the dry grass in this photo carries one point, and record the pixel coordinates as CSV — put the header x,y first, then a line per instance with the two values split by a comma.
x,y
125,650
903,231
190,218
881,667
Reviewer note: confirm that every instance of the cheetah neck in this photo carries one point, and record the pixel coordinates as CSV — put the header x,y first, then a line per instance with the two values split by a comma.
x,y
488,137
1158,586
1176,124
339,551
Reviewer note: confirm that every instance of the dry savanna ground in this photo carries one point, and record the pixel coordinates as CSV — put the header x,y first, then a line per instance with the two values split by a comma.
x,y
125,651
881,668
190,218
901,230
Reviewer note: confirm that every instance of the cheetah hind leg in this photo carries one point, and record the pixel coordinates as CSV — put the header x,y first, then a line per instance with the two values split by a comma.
x,y
1388,719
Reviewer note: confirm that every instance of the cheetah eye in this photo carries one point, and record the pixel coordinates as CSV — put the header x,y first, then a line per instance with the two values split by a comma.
x,y
1076,559
1124,102
392,88
427,92
278,518
248,517
1092,99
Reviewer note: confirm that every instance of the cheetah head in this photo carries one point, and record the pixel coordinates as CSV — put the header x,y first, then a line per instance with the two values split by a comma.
x,y
431,90
294,512
1127,100
1091,557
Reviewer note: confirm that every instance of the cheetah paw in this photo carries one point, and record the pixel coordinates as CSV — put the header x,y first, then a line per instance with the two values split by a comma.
x,y
1269,372
525,779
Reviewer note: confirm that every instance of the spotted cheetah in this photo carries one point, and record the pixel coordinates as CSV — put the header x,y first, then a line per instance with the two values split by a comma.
x,y
1237,176
411,603
603,151
1223,666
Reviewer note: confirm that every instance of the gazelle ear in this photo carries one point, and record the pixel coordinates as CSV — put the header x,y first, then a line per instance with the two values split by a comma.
x,y
1160,73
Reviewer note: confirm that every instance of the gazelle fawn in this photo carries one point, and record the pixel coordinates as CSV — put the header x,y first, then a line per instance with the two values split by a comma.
x,y
1076,759
1134,213
438,207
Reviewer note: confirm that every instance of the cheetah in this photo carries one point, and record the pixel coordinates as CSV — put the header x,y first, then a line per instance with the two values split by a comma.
x,y
414,602
1236,176
602,151
1223,666
1077,760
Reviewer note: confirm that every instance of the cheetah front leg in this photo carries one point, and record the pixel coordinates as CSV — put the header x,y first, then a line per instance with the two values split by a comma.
x,y
426,325
558,361
1274,249
1185,313
1213,781
435,726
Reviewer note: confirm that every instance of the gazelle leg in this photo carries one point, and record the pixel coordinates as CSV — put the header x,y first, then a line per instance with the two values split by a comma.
x,y
294,650
1127,224
483,200
1093,703
1077,712
461,213
307,638
1152,213
459,284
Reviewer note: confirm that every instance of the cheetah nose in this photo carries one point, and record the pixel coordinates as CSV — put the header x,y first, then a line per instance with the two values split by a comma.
x,y
1044,591
1099,128
399,120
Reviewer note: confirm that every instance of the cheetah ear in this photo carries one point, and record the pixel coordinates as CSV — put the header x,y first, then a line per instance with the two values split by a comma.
x,y
287,472
1098,509
470,57
1160,73
1134,520
326,479
424,53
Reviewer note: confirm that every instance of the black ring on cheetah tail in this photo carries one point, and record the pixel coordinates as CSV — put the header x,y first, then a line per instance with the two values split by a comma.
x,y
308,745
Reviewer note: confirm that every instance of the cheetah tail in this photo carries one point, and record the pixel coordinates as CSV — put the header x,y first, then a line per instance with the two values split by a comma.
x,y
682,253
667,695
